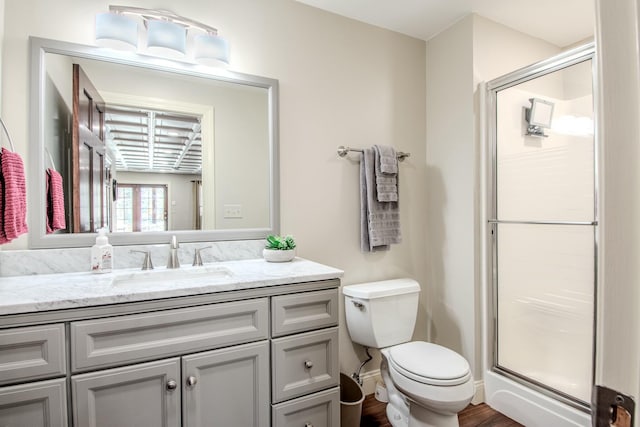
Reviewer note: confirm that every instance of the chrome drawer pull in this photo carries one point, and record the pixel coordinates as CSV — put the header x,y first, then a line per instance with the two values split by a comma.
x,y
172,385
191,381
308,425
308,364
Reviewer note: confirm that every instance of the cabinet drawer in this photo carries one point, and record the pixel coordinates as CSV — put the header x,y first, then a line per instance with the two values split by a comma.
x,y
31,352
304,363
304,312
320,409
134,338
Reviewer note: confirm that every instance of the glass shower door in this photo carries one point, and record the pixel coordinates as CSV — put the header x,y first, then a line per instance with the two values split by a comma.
x,y
543,233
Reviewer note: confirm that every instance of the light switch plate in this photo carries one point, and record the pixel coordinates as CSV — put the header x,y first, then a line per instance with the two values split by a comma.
x,y
233,211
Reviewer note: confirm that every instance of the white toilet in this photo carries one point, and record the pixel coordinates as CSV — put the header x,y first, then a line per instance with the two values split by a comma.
x,y
427,384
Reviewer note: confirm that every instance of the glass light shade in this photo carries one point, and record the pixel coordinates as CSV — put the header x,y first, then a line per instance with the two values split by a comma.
x,y
211,48
116,31
166,38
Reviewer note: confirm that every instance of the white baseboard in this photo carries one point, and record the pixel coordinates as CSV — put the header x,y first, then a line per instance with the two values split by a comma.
x,y
478,396
369,380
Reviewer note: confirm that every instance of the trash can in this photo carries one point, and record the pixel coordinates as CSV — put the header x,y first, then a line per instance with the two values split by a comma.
x,y
351,398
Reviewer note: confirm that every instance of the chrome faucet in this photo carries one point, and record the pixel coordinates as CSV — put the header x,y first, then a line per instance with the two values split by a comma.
x,y
146,264
197,258
173,261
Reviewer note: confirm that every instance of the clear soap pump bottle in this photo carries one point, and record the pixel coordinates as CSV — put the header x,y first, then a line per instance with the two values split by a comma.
x,y
102,253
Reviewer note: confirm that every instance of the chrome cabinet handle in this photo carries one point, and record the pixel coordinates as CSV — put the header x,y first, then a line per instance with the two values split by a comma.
x,y
172,385
308,425
308,364
191,381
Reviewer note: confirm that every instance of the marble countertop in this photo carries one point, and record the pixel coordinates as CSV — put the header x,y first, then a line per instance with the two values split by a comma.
x,y
44,292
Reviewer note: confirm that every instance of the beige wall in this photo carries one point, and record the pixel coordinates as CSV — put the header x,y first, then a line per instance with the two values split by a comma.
x,y
473,50
498,50
450,185
341,83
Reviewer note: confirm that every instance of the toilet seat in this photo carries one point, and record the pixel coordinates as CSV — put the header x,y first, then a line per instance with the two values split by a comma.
x,y
429,363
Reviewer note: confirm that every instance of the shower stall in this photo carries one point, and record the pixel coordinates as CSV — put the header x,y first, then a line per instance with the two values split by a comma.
x,y
541,241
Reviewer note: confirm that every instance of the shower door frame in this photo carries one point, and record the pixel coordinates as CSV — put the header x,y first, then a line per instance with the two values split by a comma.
x,y
556,63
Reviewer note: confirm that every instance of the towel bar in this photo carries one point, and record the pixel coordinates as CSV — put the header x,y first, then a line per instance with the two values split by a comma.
x,y
53,165
6,131
343,151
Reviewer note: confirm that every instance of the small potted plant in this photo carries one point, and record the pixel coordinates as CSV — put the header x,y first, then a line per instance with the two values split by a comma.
x,y
279,249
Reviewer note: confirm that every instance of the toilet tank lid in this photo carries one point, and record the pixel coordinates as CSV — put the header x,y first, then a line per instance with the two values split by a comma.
x,y
384,288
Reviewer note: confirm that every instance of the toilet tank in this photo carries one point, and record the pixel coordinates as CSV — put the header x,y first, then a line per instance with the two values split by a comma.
x,y
381,314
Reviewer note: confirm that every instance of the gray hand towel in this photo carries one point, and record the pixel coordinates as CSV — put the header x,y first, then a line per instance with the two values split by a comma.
x,y
386,181
379,221
388,161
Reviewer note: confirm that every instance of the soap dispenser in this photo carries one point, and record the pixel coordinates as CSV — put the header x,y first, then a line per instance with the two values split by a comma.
x,y
102,253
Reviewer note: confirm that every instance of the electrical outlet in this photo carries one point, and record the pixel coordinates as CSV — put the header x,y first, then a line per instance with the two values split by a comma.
x,y
233,211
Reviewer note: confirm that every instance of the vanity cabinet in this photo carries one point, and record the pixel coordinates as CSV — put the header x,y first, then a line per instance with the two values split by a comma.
x,y
251,358
231,383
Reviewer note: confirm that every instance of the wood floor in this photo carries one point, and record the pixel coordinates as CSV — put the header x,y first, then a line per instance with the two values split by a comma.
x,y
373,415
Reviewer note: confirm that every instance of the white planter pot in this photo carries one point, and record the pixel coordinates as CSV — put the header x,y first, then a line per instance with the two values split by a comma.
x,y
274,255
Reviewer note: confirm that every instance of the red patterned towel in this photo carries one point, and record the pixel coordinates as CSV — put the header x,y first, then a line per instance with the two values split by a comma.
x,y
55,202
13,198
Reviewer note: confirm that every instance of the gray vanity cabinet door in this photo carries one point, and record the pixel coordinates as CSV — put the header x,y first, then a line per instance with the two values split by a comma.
x,y
227,387
144,395
39,404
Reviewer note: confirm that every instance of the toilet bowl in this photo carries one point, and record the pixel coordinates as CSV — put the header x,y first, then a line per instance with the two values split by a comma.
x,y
436,381
427,384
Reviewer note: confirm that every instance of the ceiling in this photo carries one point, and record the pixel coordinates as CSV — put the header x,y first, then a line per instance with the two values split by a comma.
x,y
560,22
146,140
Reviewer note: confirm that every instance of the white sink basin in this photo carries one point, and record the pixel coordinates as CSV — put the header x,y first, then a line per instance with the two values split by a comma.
x,y
178,276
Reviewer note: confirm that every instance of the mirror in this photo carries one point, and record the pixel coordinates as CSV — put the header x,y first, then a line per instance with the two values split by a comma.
x,y
150,148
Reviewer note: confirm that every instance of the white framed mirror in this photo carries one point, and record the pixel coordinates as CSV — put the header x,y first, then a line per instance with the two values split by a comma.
x,y
201,143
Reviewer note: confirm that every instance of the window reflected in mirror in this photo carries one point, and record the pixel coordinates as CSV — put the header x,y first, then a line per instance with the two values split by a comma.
x,y
141,207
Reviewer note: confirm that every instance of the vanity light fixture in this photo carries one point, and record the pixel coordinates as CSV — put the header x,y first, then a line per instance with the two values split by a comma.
x,y
538,117
163,33
166,38
116,31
